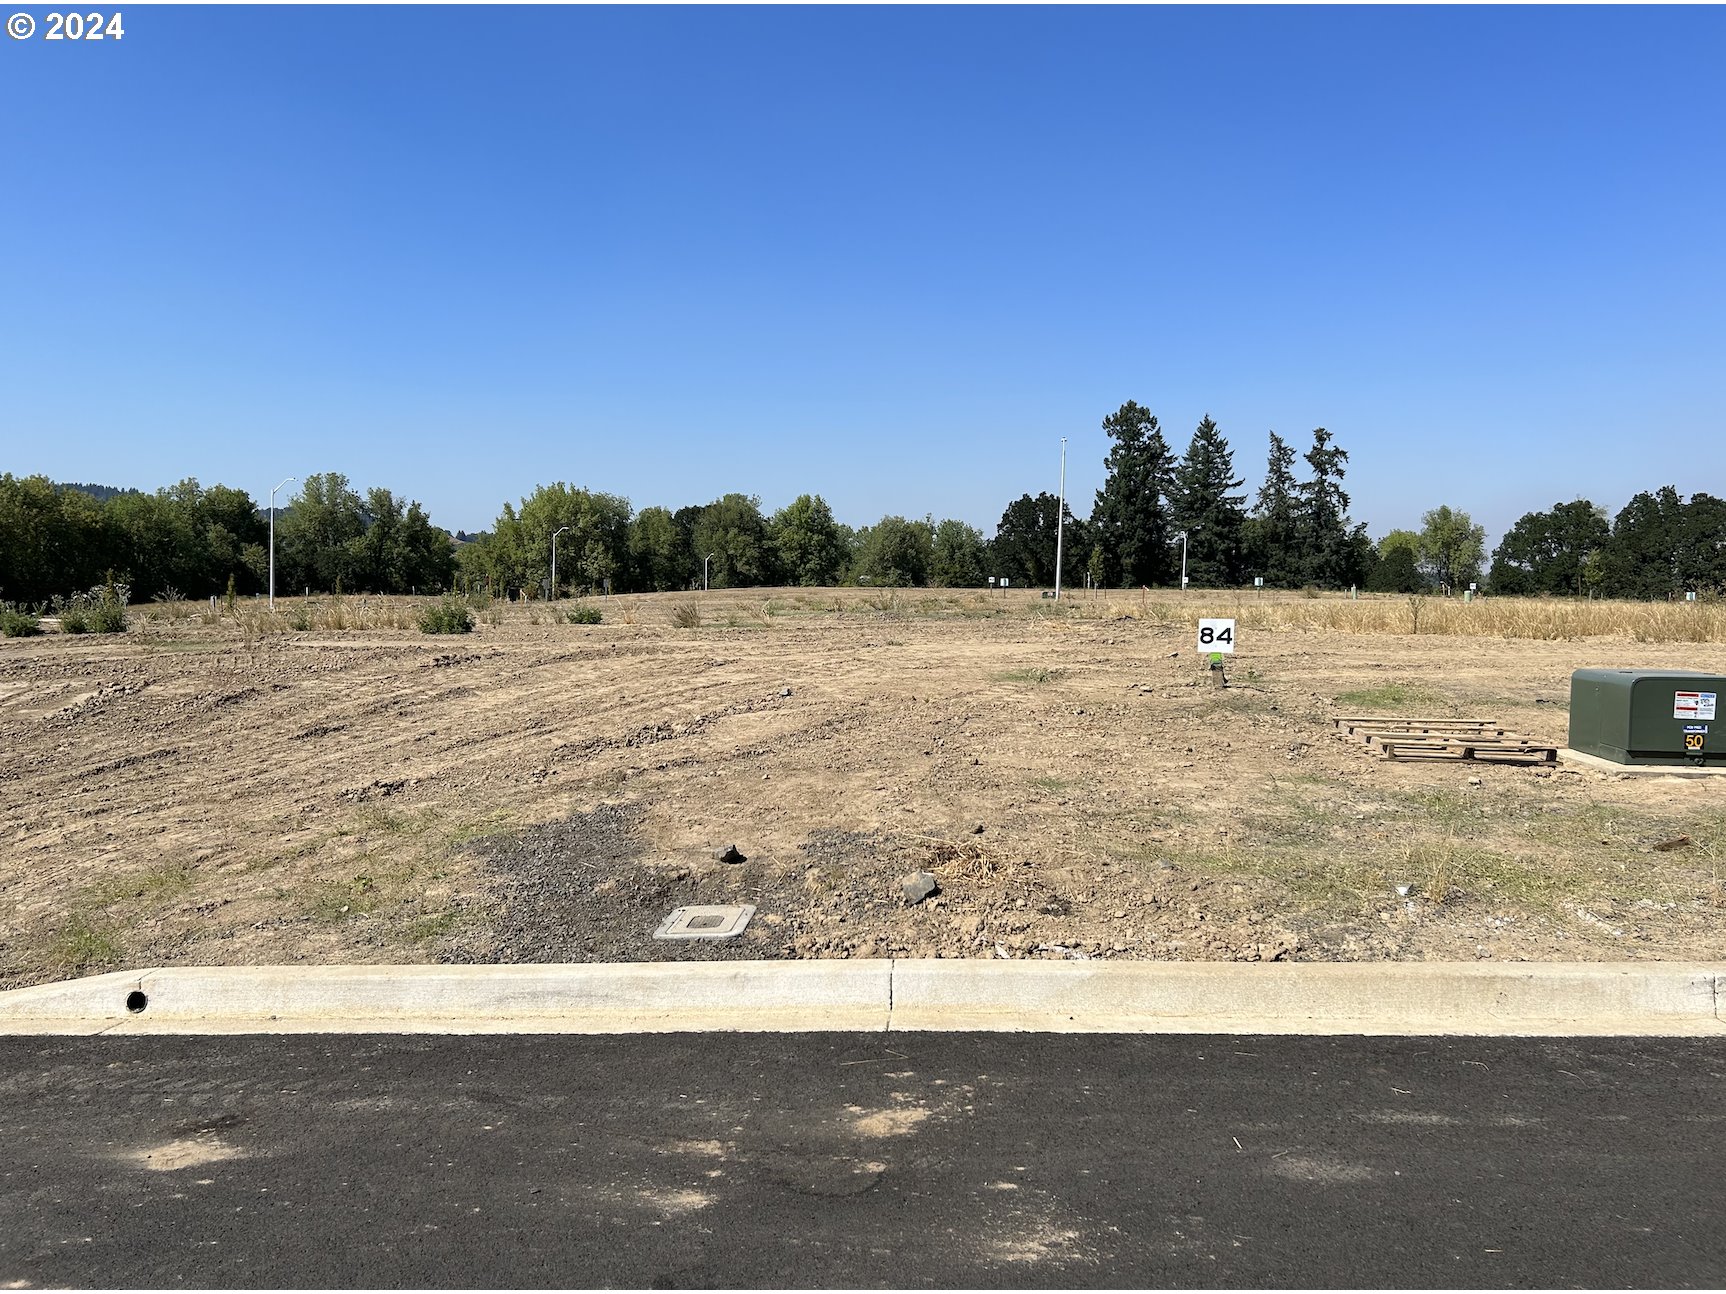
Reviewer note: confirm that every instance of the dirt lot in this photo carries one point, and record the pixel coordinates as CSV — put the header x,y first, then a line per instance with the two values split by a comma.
x,y
537,791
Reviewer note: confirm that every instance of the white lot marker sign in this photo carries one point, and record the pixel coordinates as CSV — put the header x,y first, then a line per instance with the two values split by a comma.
x,y
1217,636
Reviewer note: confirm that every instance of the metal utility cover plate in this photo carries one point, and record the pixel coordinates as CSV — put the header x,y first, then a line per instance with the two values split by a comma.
x,y
714,922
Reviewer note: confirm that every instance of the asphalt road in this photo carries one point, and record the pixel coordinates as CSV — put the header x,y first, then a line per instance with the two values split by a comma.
x,y
903,1160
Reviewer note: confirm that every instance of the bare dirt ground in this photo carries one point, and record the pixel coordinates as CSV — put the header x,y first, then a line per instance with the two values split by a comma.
x,y
540,791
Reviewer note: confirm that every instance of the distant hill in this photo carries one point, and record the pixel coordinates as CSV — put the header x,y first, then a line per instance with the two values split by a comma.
x,y
463,537
100,493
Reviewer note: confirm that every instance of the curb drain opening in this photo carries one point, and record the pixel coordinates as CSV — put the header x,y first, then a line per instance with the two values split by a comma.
x,y
136,1001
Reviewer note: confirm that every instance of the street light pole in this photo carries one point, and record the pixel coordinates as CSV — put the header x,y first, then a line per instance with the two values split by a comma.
x,y
273,541
1060,518
554,535
1182,536
704,562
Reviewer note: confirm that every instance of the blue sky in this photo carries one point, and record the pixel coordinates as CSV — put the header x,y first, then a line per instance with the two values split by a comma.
x,y
886,255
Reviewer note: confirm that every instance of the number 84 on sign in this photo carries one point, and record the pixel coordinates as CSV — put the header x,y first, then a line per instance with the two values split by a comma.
x,y
1217,636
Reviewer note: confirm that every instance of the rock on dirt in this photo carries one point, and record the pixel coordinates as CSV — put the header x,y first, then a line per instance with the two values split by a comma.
x,y
729,854
918,886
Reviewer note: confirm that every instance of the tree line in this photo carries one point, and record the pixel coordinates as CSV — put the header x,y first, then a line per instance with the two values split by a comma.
x,y
1659,546
192,541
1297,532
186,540
728,543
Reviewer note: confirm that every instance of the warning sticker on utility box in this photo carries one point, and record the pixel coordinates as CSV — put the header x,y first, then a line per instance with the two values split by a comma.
x,y
1693,705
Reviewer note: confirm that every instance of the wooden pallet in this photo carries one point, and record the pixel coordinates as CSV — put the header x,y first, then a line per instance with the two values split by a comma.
x,y
1516,750
1401,723
1370,728
1479,739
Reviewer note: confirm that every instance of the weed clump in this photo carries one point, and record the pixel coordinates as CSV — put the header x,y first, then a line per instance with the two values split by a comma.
x,y
582,614
1037,675
101,610
84,945
15,622
686,615
1394,696
449,616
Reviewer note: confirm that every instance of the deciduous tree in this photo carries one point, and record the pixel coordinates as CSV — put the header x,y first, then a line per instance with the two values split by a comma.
x,y
1451,547
896,552
1023,548
658,552
734,531
806,542
1549,552
958,560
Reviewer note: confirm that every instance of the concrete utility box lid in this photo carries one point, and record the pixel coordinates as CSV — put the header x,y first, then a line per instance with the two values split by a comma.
x,y
706,922
1649,716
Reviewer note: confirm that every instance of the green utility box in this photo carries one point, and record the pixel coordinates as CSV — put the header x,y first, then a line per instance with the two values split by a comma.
x,y
1648,716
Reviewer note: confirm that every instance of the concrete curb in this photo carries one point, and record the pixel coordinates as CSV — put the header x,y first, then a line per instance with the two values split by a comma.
x,y
1416,998
619,997
1424,999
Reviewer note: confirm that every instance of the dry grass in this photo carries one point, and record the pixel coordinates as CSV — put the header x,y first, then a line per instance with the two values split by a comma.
x,y
302,615
1546,619
970,860
1549,619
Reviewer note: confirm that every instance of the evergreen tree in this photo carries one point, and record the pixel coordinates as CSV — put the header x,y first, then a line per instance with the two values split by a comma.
x,y
1334,554
1203,504
1272,534
1131,514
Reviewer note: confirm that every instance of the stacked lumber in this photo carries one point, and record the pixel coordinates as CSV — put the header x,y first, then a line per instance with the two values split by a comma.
x,y
1399,737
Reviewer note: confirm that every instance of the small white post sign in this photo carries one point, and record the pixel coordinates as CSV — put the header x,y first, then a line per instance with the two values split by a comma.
x,y
1217,636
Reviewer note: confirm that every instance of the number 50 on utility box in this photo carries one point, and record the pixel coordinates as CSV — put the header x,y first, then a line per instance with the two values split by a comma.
x,y
1216,635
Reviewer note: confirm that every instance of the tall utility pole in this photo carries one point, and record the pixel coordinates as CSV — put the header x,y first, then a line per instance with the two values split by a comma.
x,y
554,535
1182,536
273,542
1060,518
